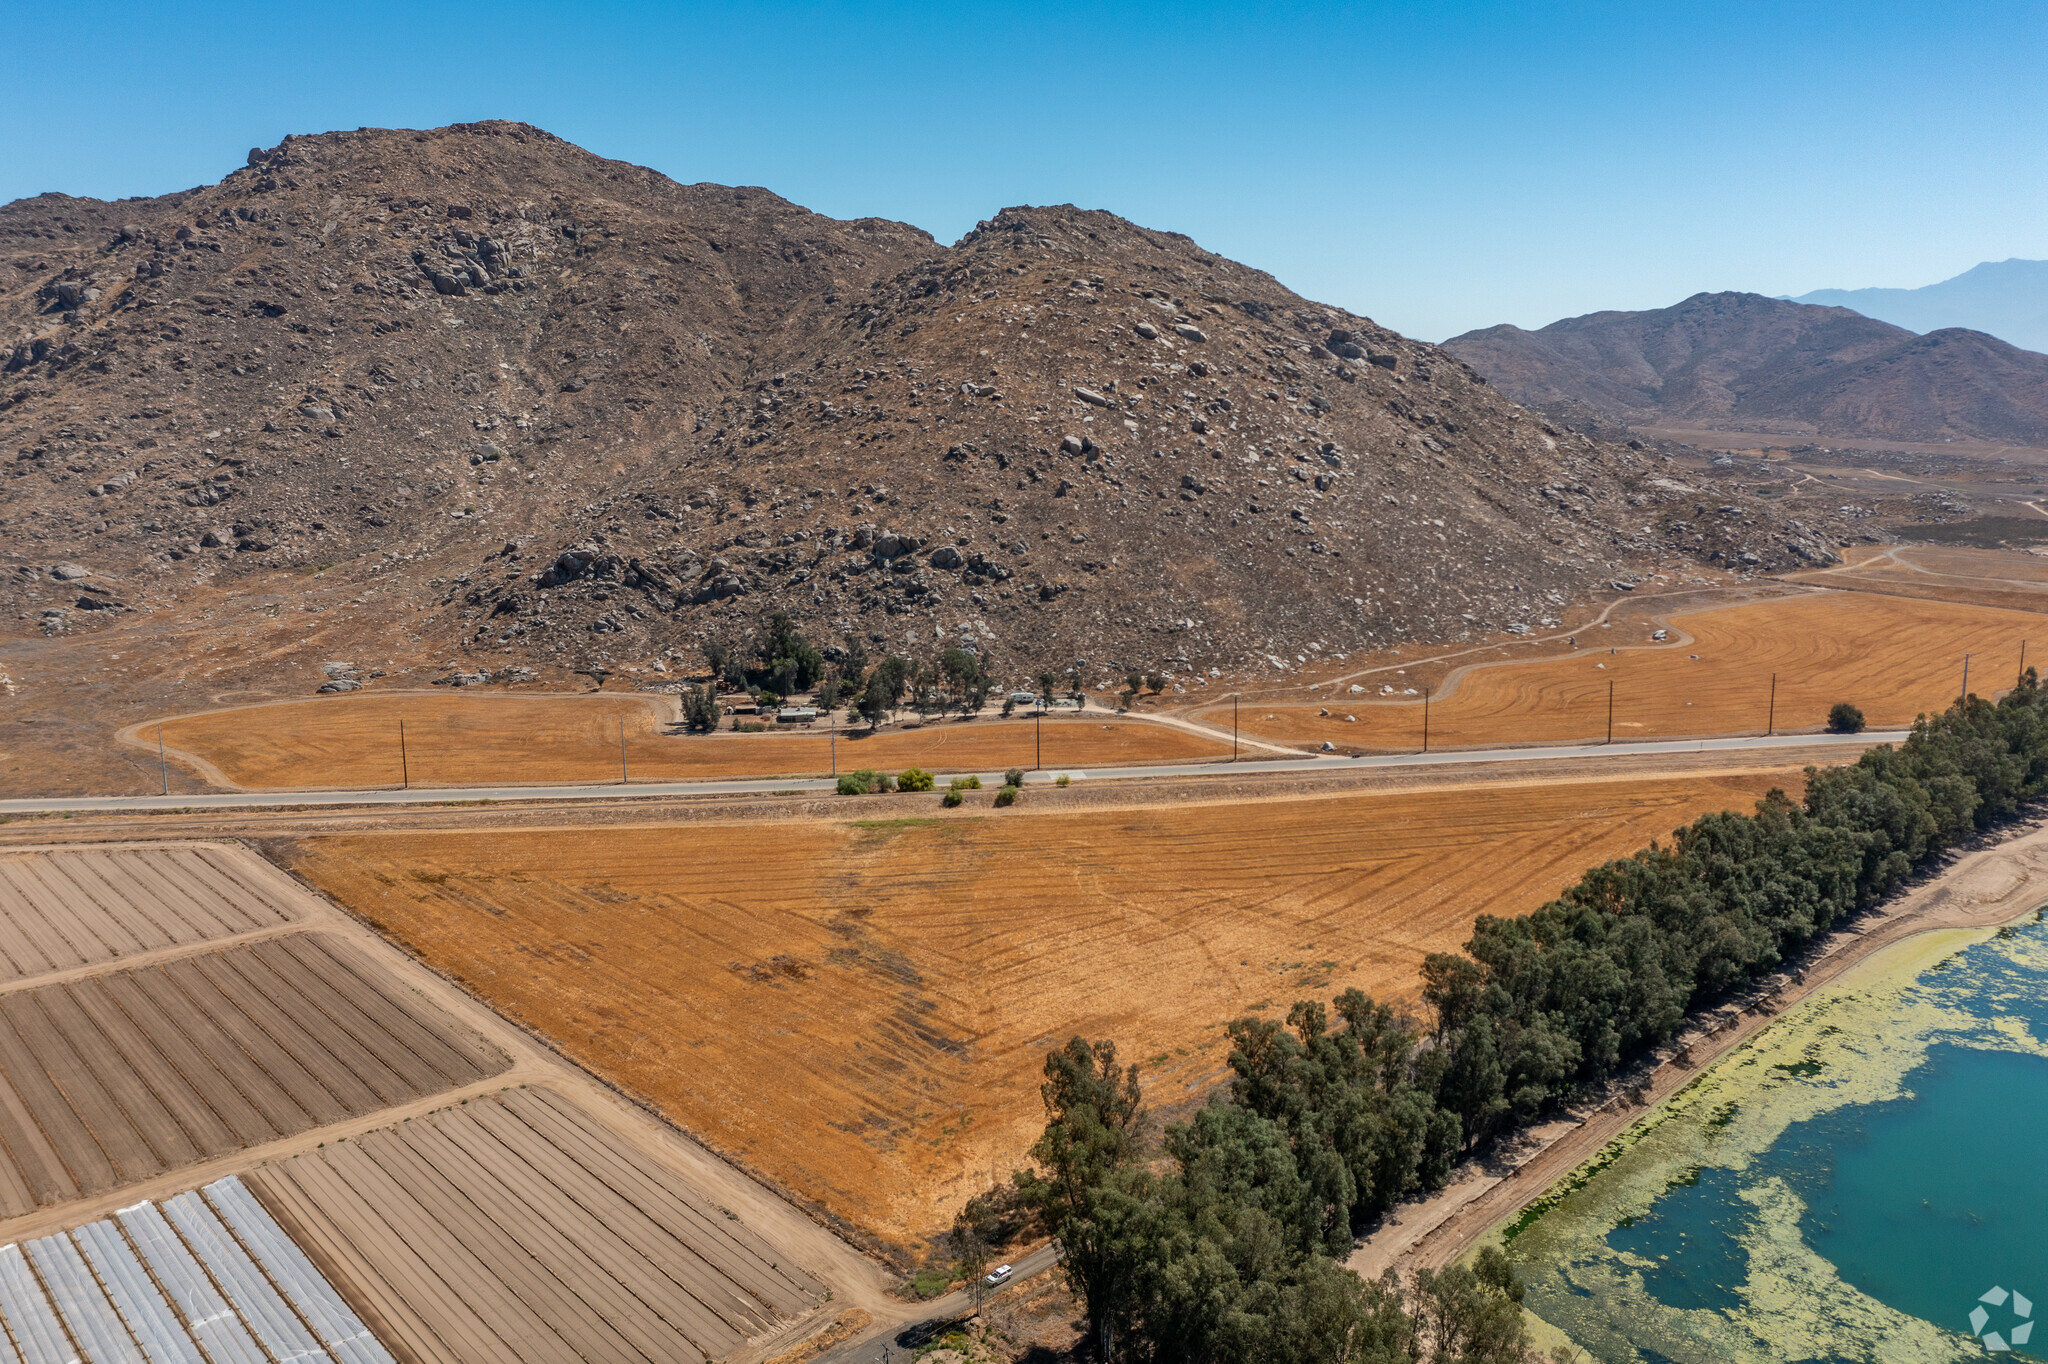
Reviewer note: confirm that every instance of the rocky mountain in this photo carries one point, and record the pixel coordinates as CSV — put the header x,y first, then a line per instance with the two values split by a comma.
x,y
2007,299
506,402
1746,362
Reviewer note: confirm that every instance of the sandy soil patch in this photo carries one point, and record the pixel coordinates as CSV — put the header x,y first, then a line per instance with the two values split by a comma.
x,y
1894,657
860,1009
467,740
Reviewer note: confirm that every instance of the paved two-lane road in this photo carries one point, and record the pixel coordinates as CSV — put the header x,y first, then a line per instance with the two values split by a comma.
x,y
1330,763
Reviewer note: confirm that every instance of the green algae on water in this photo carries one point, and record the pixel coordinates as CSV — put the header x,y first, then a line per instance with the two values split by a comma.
x,y
1698,1234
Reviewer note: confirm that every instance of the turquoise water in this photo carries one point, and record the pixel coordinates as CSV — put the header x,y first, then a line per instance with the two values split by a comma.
x,y
1831,1189
1923,1203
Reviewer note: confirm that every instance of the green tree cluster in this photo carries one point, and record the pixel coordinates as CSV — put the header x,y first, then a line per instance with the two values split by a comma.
x,y
884,688
784,662
1223,1242
787,663
700,710
1589,982
1219,1251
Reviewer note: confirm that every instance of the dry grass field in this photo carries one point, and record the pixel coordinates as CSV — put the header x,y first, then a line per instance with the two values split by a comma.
x,y
859,1009
462,740
1894,657
1982,577
387,1158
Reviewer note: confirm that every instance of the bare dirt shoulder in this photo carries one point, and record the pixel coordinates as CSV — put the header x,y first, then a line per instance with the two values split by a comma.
x,y
287,821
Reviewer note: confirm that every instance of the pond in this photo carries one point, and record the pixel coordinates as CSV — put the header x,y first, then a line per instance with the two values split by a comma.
x,y
1867,1180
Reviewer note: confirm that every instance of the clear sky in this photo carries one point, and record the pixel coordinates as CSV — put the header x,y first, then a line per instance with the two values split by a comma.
x,y
1437,166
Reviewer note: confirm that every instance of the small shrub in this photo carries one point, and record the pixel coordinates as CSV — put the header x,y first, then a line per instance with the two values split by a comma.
x,y
1845,719
952,797
751,727
1064,780
864,782
914,779
1006,796
967,783
1014,777
928,1283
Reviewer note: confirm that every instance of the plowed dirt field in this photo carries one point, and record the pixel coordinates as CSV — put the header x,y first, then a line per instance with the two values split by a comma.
x,y
1893,657
114,1078
860,1010
471,740
514,1227
62,911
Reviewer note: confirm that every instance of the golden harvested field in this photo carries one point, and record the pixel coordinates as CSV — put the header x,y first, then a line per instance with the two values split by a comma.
x,y
1984,577
458,740
1892,656
860,1009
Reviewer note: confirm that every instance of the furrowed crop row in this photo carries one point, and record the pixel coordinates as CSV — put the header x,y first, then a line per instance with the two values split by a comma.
x,y
64,910
516,1228
112,1079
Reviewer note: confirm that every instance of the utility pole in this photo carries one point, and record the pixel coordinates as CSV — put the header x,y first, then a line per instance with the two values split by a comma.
x,y
1235,697
1963,701
1610,710
835,748
2023,663
404,767
1425,719
1038,741
162,766
1771,722
622,750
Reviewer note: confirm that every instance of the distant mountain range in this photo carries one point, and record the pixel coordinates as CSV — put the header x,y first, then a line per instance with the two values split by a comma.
x,y
2008,299
1747,362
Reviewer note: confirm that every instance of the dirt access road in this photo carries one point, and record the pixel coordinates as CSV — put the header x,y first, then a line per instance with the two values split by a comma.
x,y
1766,665
1984,889
174,1054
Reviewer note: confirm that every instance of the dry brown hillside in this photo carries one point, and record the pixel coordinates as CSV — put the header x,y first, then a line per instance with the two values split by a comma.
x,y
1743,361
517,404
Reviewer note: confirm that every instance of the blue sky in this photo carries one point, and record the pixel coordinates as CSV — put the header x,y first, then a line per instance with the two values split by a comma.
x,y
1436,166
